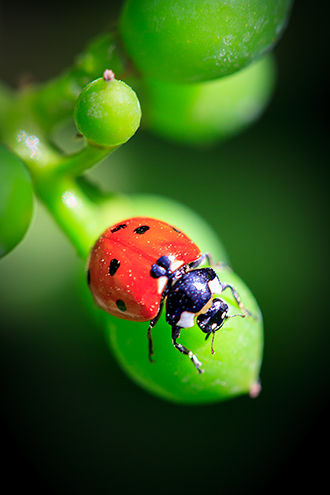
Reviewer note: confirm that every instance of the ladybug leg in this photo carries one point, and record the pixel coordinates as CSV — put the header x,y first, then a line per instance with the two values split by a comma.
x,y
208,258
175,335
204,257
152,323
150,345
225,286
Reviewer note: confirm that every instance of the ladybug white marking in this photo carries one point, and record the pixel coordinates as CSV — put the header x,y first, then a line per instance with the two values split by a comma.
x,y
161,282
215,286
175,265
187,320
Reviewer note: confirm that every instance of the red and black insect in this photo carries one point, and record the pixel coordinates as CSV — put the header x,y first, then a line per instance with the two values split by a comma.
x,y
141,263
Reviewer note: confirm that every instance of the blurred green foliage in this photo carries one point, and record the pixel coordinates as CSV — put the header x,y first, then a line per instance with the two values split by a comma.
x,y
205,113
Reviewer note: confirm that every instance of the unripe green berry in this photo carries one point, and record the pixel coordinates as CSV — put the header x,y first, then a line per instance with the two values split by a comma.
x,y
208,112
107,111
199,40
233,369
16,200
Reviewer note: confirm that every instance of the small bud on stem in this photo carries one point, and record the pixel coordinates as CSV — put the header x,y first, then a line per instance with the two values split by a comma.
x,y
108,75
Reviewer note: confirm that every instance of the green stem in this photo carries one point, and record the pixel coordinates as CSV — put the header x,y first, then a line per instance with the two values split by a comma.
x,y
26,119
54,101
77,163
53,174
74,212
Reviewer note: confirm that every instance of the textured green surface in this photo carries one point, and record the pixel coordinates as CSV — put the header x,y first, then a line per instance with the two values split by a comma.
x,y
107,113
198,40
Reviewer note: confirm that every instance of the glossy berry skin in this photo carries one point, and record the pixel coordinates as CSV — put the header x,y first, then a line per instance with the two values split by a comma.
x,y
107,112
16,200
140,263
185,41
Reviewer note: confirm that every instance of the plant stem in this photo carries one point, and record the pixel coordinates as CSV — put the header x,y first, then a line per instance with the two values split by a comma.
x,y
77,163
53,174
26,120
74,212
54,101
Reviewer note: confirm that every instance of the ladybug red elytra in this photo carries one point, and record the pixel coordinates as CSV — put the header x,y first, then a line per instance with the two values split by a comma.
x,y
140,263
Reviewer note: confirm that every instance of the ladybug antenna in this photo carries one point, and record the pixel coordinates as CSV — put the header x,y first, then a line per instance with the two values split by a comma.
x,y
212,349
213,335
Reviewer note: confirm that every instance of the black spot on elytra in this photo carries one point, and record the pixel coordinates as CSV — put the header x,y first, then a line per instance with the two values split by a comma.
x,y
121,226
142,229
121,305
88,277
176,230
114,265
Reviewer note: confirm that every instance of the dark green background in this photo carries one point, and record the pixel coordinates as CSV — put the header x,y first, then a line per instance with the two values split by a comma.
x,y
72,422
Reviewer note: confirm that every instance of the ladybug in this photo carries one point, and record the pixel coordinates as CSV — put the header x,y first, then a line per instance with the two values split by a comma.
x,y
141,263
